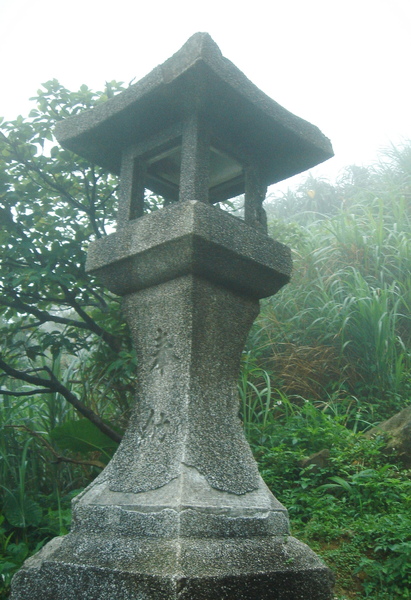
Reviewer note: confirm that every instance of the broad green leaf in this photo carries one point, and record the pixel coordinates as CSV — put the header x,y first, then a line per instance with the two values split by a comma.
x,y
22,512
82,436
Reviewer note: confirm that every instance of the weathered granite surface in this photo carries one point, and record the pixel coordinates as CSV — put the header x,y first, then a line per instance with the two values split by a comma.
x,y
108,568
190,237
181,511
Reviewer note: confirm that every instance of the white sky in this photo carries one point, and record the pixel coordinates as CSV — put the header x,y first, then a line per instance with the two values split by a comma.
x,y
343,65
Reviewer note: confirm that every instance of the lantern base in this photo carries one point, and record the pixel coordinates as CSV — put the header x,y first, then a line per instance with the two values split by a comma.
x,y
99,567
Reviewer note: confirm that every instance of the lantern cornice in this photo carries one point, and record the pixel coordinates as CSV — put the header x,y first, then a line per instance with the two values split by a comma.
x,y
240,115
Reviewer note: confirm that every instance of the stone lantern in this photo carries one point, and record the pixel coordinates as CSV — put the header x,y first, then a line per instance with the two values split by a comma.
x,y
181,511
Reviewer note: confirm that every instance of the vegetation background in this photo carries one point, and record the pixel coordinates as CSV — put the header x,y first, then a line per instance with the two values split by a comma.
x,y
328,357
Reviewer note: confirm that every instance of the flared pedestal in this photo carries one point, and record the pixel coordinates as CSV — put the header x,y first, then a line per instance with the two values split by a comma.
x,y
184,541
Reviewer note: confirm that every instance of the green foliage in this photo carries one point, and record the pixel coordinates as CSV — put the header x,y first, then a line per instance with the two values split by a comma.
x,y
56,322
354,507
22,512
12,556
83,437
19,541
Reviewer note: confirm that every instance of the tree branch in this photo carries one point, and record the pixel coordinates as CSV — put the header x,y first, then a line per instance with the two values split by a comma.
x,y
88,323
42,315
54,385
109,338
30,393
91,195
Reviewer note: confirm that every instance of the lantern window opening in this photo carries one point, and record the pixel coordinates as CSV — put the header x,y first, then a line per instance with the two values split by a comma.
x,y
162,171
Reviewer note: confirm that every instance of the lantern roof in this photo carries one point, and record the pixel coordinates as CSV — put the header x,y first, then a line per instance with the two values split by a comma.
x,y
244,121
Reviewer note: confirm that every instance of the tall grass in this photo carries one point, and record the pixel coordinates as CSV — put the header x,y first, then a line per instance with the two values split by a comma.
x,y
343,324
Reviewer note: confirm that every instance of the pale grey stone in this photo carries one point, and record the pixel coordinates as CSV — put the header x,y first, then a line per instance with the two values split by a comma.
x,y
398,432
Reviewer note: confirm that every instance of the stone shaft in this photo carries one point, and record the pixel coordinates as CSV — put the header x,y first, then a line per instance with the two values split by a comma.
x,y
189,334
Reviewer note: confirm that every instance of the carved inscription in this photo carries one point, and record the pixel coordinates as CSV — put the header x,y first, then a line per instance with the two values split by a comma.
x,y
163,354
155,425
154,428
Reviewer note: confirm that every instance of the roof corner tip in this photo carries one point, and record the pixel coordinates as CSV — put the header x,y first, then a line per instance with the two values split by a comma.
x,y
200,46
202,43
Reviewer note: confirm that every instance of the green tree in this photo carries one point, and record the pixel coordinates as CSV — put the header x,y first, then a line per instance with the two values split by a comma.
x,y
61,332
